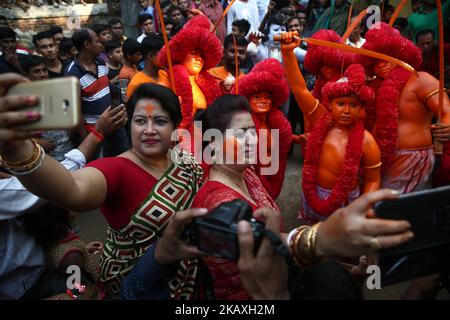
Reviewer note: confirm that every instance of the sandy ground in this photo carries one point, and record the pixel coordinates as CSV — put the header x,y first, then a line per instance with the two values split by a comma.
x,y
92,225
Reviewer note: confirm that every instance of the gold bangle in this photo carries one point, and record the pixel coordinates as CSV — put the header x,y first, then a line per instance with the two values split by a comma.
x,y
27,166
19,164
314,109
294,244
432,93
374,166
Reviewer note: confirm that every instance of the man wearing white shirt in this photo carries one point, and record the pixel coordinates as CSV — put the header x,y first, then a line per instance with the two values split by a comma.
x,y
244,9
355,39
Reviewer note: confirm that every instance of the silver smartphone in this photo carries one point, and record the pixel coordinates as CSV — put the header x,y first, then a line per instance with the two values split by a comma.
x,y
59,102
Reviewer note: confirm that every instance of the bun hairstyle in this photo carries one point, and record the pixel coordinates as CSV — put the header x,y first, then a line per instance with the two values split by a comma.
x,y
219,114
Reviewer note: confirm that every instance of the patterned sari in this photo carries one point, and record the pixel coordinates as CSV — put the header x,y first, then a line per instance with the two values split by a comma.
x,y
173,192
225,275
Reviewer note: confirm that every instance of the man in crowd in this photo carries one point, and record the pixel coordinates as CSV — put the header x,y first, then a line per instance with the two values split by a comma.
x,y
47,48
116,27
94,83
243,9
226,75
10,60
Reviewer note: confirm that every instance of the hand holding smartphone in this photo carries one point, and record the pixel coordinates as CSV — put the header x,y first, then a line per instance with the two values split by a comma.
x,y
59,103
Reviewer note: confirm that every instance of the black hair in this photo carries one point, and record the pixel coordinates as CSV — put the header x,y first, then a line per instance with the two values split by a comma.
x,y
79,37
389,8
301,11
240,41
48,224
292,18
114,21
99,28
172,9
55,30
425,32
2,17
144,17
165,3
219,114
243,25
41,35
112,45
130,47
32,61
65,45
273,19
165,96
7,32
151,44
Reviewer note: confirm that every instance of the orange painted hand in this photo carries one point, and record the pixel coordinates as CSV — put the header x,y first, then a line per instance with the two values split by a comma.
x,y
289,41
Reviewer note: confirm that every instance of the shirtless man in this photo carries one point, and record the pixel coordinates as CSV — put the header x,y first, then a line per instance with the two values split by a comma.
x,y
338,144
402,114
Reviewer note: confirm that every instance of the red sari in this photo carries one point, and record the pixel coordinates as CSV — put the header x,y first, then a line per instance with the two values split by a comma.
x,y
225,275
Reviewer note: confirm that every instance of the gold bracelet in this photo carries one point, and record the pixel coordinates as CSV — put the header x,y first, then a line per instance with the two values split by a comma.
x,y
432,93
308,257
294,246
314,109
374,166
19,164
32,167
27,166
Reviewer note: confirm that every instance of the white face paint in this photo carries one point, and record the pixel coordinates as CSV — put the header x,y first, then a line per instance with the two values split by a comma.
x,y
275,29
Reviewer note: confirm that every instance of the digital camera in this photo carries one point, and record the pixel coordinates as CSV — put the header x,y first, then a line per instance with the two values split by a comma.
x,y
216,233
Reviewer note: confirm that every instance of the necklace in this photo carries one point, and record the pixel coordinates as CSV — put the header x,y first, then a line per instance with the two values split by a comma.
x,y
150,165
236,179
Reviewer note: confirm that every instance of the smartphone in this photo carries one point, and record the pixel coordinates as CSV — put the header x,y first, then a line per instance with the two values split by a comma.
x,y
428,212
59,103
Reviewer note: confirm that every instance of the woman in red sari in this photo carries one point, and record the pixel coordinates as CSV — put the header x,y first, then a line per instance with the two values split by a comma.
x,y
138,192
232,176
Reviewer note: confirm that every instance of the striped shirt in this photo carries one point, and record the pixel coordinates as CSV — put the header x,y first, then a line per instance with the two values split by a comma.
x,y
95,94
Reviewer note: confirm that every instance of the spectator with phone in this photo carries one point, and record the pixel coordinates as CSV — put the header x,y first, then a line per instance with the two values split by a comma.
x,y
119,185
264,274
20,272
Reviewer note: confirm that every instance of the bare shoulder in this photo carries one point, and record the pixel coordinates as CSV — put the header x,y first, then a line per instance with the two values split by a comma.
x,y
369,142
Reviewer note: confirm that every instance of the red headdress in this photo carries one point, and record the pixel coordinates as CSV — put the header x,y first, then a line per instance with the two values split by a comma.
x,y
318,56
387,40
383,114
194,35
267,75
353,82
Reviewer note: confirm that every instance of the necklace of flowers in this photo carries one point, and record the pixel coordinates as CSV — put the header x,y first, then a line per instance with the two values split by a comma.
x,y
346,179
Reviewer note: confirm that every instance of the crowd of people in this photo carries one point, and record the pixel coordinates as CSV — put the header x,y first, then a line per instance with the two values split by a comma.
x,y
366,128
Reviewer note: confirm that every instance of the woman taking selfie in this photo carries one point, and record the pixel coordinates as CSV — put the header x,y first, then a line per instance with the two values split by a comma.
x,y
138,192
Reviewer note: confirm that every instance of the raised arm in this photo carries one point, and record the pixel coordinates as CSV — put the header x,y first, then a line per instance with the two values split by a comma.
x,y
371,164
83,190
80,190
310,106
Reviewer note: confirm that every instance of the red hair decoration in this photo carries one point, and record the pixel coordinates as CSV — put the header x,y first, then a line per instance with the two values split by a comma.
x,y
267,75
353,82
194,35
387,40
